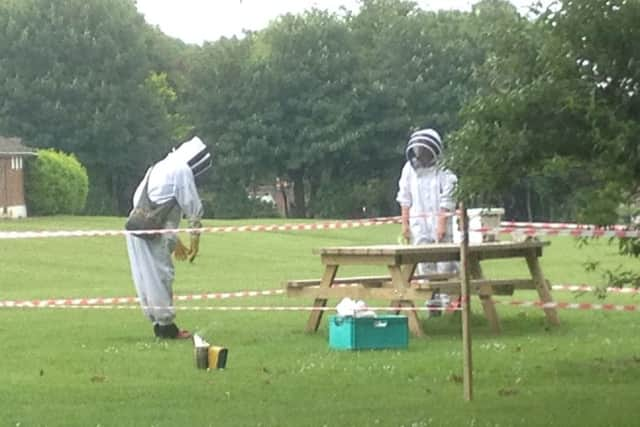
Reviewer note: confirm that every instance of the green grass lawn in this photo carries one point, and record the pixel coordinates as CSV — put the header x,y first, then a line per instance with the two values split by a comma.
x,y
73,367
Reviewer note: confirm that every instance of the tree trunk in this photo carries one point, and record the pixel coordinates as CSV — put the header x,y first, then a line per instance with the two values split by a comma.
x,y
285,200
297,177
313,191
528,202
115,202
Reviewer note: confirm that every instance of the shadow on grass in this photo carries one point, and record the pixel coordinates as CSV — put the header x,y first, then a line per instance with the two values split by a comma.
x,y
512,325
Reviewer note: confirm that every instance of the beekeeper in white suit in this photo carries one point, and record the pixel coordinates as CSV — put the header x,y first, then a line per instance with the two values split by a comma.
x,y
171,180
426,196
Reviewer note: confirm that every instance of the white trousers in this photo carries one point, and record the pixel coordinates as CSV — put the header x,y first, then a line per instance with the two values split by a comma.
x,y
153,273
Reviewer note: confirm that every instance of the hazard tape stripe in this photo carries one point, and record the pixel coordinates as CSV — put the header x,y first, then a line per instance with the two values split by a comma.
x,y
27,305
132,300
559,225
588,288
524,304
236,294
559,232
506,227
338,225
571,305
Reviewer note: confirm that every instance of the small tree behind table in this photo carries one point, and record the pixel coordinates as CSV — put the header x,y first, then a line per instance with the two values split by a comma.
x,y
561,114
56,183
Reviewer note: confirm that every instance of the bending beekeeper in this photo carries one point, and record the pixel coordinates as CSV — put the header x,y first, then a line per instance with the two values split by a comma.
x,y
426,197
170,184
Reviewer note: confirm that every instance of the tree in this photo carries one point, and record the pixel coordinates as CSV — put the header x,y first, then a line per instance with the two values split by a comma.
x,y
562,112
222,96
307,65
74,76
539,114
415,70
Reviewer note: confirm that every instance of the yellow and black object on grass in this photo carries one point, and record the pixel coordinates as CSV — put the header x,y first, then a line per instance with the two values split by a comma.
x,y
217,357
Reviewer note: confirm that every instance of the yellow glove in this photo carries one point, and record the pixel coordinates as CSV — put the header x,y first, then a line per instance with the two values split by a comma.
x,y
402,239
195,247
180,252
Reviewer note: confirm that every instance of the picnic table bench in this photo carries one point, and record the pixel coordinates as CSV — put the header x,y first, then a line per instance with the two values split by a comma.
x,y
402,287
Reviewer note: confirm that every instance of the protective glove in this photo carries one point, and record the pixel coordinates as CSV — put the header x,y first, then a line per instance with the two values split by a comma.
x,y
441,227
406,230
180,252
195,247
402,239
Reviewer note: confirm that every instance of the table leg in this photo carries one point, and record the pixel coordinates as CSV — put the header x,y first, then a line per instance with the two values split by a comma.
x,y
485,293
400,279
541,286
408,271
316,315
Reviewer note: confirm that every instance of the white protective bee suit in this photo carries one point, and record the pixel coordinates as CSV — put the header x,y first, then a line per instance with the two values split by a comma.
x,y
151,263
427,190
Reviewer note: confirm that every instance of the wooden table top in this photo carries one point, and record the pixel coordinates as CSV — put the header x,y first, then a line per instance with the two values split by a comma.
x,y
387,250
408,254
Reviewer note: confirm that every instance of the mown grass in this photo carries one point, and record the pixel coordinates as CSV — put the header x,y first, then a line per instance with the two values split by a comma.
x,y
71,367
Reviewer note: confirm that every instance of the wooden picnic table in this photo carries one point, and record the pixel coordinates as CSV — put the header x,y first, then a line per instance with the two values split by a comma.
x,y
402,287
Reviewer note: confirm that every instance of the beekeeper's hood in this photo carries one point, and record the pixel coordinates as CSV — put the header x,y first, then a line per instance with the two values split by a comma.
x,y
195,154
424,148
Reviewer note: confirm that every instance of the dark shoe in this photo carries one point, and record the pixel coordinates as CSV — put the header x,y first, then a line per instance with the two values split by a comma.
x,y
170,331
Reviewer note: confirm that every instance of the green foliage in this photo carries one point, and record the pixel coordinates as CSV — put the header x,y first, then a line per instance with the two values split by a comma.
x,y
554,106
166,99
56,183
74,77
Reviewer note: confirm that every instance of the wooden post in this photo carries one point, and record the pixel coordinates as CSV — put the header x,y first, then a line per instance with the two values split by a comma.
x,y
467,364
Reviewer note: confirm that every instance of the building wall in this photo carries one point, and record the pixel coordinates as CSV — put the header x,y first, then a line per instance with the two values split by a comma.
x,y
12,203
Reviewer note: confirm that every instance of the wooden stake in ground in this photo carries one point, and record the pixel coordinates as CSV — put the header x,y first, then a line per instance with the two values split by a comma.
x,y
467,365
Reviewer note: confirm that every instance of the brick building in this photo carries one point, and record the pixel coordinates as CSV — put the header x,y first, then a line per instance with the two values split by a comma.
x,y
12,201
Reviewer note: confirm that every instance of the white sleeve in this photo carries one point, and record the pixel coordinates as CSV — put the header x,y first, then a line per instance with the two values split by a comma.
x,y
448,183
187,196
404,187
138,193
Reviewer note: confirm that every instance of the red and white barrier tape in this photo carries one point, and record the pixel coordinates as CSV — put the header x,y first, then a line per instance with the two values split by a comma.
x,y
525,304
86,302
229,308
588,288
559,232
560,225
336,225
97,301
571,305
506,227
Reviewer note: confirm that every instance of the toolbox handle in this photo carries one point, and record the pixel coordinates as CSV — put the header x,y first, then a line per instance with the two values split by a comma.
x,y
380,323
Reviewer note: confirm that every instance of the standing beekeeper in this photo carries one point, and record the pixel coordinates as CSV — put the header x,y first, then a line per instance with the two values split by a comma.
x,y
426,197
169,188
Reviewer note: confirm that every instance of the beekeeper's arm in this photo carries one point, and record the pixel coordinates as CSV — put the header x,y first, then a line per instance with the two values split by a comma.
x,y
404,198
448,182
191,205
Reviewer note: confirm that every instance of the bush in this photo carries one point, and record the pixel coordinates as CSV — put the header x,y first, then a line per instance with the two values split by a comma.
x,y
55,183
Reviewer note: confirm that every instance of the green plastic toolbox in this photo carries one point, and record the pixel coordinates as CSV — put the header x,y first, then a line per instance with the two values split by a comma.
x,y
360,333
